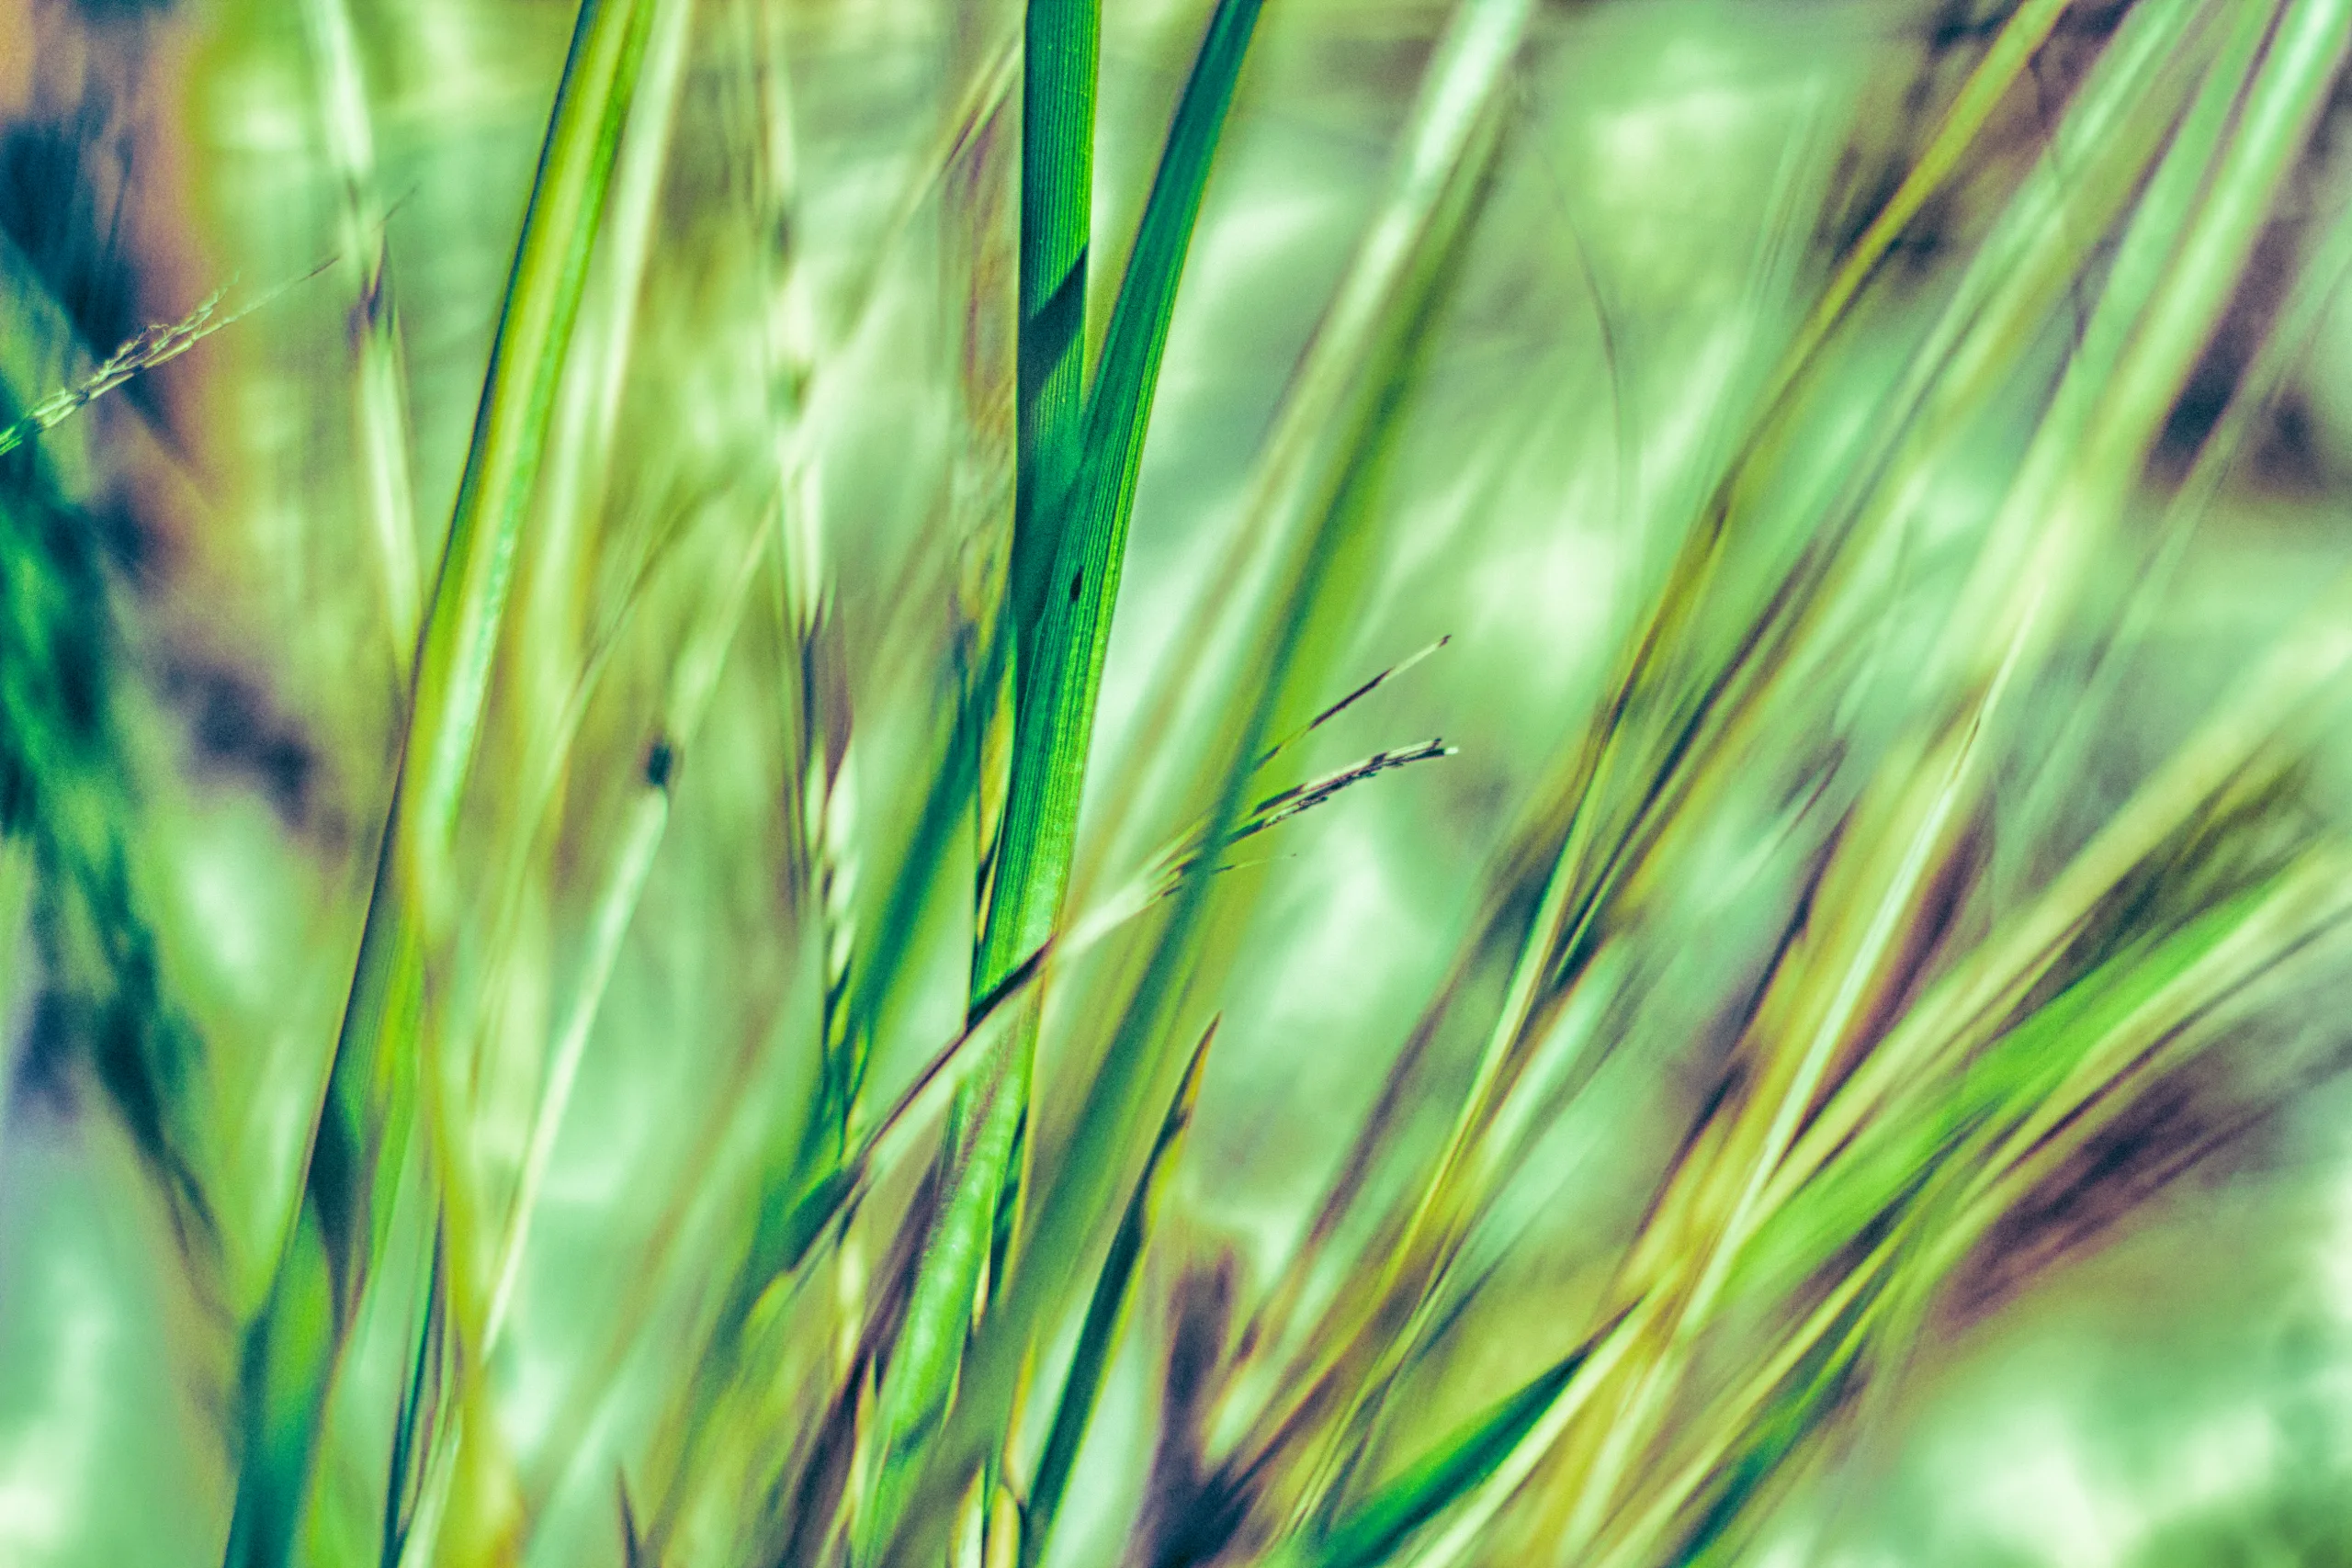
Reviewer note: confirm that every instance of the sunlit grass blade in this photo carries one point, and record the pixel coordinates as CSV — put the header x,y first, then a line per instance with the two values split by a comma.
x,y
369,1091
1057,209
1051,725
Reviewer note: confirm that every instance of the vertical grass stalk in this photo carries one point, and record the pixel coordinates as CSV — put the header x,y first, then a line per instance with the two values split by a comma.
x,y
1053,724
295,1341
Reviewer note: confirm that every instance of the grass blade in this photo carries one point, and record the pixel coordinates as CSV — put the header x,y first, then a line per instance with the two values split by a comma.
x,y
1091,1360
1373,1532
1052,726
293,1343
1056,207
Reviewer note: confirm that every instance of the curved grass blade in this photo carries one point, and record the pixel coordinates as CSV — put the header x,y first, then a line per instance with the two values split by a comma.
x,y
1053,724
1091,1360
1462,1462
294,1342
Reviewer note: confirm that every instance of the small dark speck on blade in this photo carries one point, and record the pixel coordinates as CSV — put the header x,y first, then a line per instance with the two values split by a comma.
x,y
1077,581
660,762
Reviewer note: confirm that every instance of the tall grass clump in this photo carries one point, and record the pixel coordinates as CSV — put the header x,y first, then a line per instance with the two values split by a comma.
x,y
874,783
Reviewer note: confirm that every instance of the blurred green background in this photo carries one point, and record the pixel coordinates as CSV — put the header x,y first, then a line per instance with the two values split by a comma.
x,y
2168,1383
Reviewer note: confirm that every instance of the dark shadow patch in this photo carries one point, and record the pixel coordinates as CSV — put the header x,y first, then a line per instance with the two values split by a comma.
x,y
62,188
44,1069
238,734
106,13
125,543
2172,1128
1193,1512
2221,370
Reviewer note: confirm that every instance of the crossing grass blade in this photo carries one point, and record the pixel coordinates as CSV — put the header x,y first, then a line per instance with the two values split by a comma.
x,y
1372,1531
1082,1385
294,1341
1057,85
1052,722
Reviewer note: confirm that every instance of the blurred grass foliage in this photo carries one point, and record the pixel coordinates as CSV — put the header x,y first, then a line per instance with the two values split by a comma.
x,y
723,838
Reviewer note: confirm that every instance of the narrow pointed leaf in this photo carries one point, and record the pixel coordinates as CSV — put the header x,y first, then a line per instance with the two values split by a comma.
x,y
1447,1474
1091,1360
1053,725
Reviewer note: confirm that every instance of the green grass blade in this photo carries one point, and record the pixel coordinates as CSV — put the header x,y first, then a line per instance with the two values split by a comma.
x,y
1460,1462
1091,1360
1053,725
362,1125
414,1430
1057,205
518,398
1055,719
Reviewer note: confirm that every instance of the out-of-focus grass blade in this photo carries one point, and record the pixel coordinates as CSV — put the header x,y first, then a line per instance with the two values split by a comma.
x,y
382,411
1323,494
1091,1360
2163,297
2012,52
369,1093
1053,723
1667,713
420,1406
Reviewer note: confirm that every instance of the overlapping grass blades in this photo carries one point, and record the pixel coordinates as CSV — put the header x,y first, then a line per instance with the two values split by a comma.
x,y
361,1146
1054,716
1322,468
1567,931
861,1332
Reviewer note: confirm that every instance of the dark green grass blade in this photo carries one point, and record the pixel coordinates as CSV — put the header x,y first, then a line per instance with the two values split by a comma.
x,y
1321,565
1052,728
1055,718
362,1123
1447,1474
420,1409
1056,207
63,790
1091,1360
